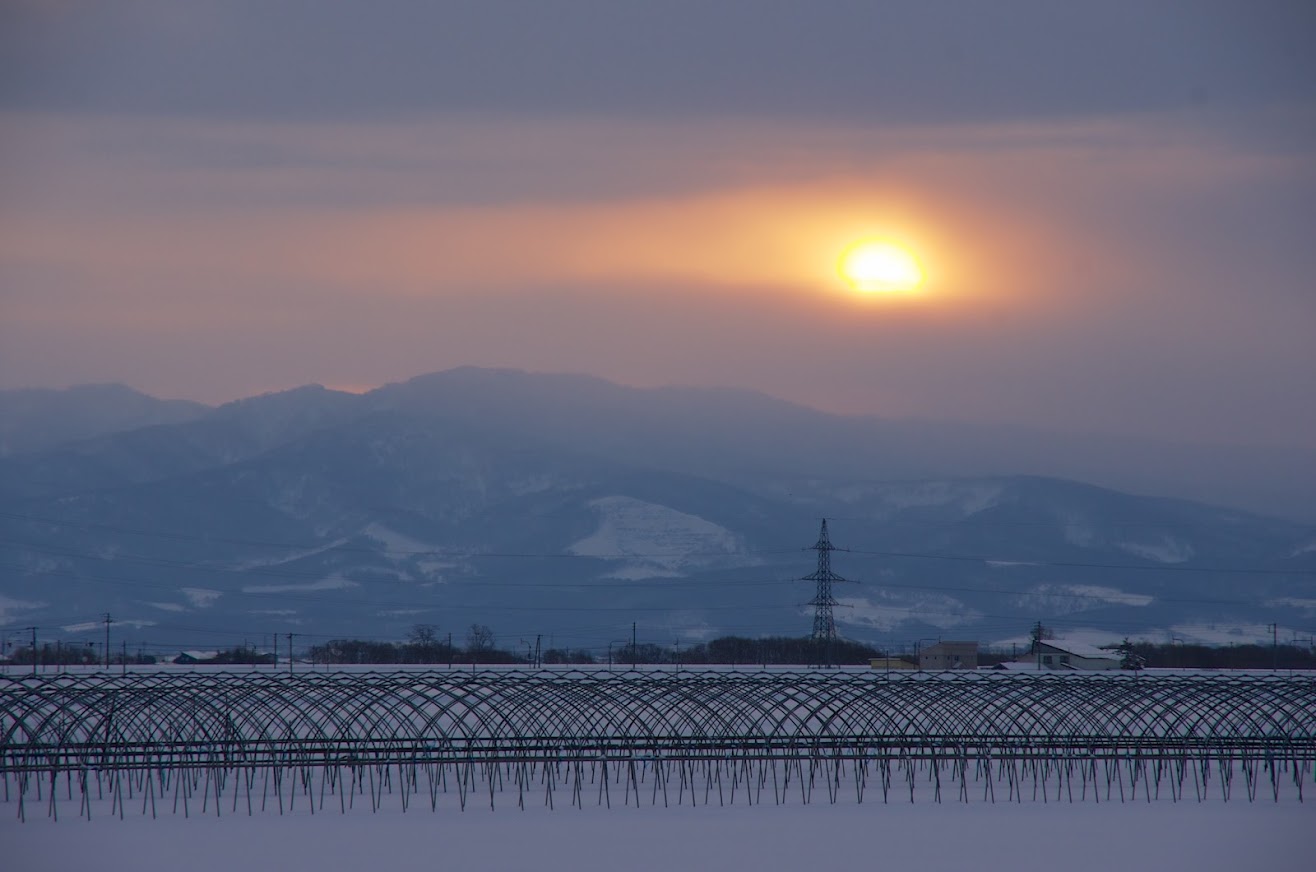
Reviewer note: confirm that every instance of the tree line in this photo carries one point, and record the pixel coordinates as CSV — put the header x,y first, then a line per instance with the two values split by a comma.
x,y
61,654
1139,655
423,645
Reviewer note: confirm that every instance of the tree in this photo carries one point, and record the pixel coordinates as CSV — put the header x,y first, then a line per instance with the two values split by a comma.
x,y
564,655
1038,634
479,638
1130,658
423,635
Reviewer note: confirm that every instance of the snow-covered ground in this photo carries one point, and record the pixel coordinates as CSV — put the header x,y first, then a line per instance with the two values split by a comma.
x,y
922,836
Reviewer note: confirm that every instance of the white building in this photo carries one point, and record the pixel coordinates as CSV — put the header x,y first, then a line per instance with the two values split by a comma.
x,y
949,655
1060,654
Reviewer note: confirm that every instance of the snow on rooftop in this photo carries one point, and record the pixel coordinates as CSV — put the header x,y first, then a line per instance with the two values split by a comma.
x,y
200,655
1079,649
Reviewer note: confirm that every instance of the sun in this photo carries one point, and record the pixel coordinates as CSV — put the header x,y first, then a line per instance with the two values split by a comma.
x,y
879,266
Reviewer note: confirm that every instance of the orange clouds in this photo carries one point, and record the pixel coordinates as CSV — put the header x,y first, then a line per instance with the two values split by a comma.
x,y
255,255
392,211
755,241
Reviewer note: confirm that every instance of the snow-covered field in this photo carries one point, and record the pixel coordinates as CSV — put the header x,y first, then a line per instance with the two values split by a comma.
x,y
922,836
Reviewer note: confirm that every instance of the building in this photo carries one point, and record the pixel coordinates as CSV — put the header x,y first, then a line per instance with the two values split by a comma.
x,y
949,655
889,664
191,658
1060,654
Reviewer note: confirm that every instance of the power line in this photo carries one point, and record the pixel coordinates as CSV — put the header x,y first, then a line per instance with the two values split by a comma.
x,y
987,560
262,571
583,586
321,547
976,522
1074,564
321,596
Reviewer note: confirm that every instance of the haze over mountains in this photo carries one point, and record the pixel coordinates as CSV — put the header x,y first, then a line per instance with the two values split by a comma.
x,y
569,506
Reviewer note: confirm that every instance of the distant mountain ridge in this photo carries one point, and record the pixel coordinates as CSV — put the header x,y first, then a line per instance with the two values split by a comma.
x,y
729,433
572,506
35,418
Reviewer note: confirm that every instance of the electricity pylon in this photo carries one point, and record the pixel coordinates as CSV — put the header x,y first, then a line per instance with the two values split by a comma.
x,y
824,623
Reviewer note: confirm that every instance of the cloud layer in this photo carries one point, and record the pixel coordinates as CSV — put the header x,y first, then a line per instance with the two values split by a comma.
x,y
1112,204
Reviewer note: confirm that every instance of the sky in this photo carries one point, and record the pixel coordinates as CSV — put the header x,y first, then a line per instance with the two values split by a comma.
x,y
1113,204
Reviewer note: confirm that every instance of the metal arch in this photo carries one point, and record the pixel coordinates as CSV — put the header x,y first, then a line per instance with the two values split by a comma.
x,y
156,729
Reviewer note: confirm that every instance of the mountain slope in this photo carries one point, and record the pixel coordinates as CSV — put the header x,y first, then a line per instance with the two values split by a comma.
x,y
770,446
225,435
572,507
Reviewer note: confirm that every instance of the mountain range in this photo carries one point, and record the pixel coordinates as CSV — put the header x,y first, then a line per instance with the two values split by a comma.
x,y
568,507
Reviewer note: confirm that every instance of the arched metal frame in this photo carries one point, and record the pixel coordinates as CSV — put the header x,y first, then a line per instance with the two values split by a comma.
x,y
441,733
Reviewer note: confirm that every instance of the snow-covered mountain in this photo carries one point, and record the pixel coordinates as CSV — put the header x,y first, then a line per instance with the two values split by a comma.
x,y
569,507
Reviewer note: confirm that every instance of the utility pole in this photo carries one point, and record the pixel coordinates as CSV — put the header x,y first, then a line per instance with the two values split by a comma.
x,y
290,635
1274,647
108,621
34,651
824,622
450,649
635,655
124,655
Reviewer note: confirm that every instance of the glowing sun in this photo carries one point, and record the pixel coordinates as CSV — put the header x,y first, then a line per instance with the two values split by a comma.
x,y
879,266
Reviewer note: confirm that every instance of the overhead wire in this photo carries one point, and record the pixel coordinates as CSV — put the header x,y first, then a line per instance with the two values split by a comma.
x,y
322,595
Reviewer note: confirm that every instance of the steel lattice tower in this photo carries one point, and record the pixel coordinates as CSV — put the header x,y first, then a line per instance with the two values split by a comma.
x,y
824,624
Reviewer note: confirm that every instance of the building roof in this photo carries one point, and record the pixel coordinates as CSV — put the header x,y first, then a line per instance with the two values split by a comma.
x,y
1078,649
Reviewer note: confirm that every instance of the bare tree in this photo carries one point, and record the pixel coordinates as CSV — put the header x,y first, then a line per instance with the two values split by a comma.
x,y
479,638
423,635
1038,635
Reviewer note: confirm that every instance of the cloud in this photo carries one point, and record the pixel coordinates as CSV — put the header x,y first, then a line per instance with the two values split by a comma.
x,y
10,607
889,63
448,207
200,597
331,583
1121,273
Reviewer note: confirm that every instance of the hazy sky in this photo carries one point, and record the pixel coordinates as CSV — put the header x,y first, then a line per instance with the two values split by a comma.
x,y
1114,203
